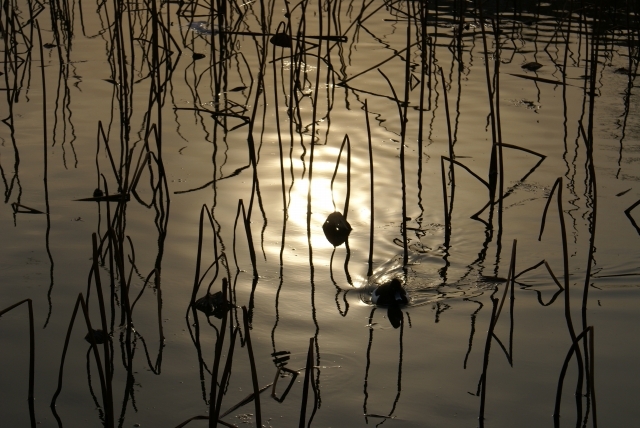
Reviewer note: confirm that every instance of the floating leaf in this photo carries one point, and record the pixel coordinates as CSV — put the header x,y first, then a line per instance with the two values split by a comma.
x,y
281,39
213,304
336,228
99,336
531,66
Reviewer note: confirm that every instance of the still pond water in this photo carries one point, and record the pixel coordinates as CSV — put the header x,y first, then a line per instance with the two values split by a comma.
x,y
155,103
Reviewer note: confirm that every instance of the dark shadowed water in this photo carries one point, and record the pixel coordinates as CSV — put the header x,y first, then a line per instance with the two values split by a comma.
x,y
216,157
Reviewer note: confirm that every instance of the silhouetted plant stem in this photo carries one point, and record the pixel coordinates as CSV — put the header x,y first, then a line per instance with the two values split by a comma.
x,y
446,112
32,358
103,319
405,257
493,170
106,400
252,363
226,373
575,347
345,141
485,361
498,138
403,138
313,126
371,189
567,301
445,199
45,154
308,373
214,411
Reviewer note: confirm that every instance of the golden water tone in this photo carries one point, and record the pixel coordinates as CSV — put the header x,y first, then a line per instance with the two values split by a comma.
x,y
332,214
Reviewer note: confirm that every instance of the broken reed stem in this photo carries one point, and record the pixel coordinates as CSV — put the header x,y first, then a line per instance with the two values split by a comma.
x,y
565,365
216,365
565,259
446,112
485,361
567,301
252,363
565,248
226,373
451,156
32,353
510,277
371,188
103,320
247,230
109,423
445,198
196,282
345,141
348,191
305,388
495,314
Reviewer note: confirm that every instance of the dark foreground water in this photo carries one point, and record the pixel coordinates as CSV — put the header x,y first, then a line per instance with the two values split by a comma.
x,y
220,149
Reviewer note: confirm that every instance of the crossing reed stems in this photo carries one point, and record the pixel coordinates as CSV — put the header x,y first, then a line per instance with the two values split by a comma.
x,y
252,363
32,358
308,373
214,410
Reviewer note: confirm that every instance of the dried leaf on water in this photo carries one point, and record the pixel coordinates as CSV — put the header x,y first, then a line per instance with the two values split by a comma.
x,y
539,79
281,39
213,304
531,66
336,229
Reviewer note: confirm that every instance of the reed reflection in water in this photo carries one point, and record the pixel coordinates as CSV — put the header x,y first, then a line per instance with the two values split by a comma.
x,y
295,159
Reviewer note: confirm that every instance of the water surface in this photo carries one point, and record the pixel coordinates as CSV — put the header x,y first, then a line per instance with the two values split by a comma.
x,y
228,121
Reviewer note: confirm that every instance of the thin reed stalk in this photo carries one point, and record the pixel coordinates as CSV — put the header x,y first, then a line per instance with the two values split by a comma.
x,y
371,190
405,257
103,321
345,141
308,372
32,358
106,401
252,363
485,361
224,380
575,348
247,229
214,410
